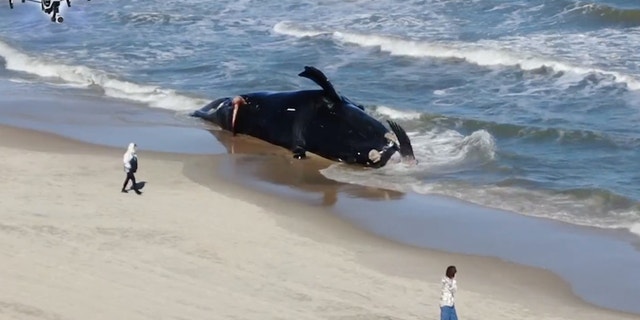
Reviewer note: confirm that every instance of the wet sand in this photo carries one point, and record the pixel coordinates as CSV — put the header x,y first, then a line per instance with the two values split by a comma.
x,y
201,246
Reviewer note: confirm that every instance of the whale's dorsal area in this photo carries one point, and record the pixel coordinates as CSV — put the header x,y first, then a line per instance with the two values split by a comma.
x,y
319,78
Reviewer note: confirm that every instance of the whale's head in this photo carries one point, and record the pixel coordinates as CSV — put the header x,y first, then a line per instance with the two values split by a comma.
x,y
218,112
350,134
345,132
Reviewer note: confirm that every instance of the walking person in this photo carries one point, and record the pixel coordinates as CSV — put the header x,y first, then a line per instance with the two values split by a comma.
x,y
449,288
130,160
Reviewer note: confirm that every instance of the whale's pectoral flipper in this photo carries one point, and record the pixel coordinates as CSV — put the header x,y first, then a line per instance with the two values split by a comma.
x,y
299,153
302,118
319,78
299,143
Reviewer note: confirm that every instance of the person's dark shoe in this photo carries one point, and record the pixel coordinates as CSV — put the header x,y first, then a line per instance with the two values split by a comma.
x,y
124,191
138,192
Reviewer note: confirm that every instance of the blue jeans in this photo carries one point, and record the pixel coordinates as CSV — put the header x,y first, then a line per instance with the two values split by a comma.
x,y
448,313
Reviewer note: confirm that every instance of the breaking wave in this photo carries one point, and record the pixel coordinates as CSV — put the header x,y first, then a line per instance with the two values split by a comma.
x,y
469,52
82,76
608,13
414,120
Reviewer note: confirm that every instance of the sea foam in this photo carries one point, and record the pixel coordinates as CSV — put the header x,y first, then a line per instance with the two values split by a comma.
x,y
488,54
79,75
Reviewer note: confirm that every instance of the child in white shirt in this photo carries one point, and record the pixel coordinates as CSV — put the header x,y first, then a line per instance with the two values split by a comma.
x,y
449,287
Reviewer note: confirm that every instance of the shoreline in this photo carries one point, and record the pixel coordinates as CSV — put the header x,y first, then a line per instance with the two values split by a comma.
x,y
565,249
546,294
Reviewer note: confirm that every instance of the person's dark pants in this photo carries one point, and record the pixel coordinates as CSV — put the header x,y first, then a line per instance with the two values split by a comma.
x,y
131,177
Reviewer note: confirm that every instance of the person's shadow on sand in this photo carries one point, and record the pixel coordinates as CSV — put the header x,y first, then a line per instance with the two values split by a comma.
x,y
139,186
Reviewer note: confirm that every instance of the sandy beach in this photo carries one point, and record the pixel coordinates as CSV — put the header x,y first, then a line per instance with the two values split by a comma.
x,y
72,246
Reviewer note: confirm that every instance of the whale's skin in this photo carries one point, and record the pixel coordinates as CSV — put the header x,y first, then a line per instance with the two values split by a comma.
x,y
322,122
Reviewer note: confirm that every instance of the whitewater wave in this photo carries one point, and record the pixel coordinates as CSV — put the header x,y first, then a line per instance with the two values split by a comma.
x,y
607,13
473,53
413,120
441,150
390,113
536,133
82,76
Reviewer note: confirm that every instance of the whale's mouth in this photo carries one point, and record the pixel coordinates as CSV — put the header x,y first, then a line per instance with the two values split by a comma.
x,y
402,142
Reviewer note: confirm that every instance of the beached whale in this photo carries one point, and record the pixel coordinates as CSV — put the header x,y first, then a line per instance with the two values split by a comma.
x,y
319,121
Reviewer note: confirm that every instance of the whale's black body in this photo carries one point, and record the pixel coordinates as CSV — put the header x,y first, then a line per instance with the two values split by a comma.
x,y
319,121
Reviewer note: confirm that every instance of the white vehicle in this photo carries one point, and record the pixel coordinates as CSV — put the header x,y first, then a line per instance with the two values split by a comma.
x,y
50,7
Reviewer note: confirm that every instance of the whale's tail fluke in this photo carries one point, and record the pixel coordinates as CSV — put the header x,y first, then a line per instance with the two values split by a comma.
x,y
406,150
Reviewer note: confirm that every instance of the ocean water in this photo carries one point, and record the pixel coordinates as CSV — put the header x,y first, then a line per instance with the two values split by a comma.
x,y
530,106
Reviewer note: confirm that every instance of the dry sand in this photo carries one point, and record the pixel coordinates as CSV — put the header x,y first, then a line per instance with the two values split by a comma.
x,y
73,247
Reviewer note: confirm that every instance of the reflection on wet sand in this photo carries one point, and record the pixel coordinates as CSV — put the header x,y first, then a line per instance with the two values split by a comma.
x,y
257,159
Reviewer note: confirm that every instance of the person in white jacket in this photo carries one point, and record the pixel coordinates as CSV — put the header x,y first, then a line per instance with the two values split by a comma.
x,y
448,291
130,160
